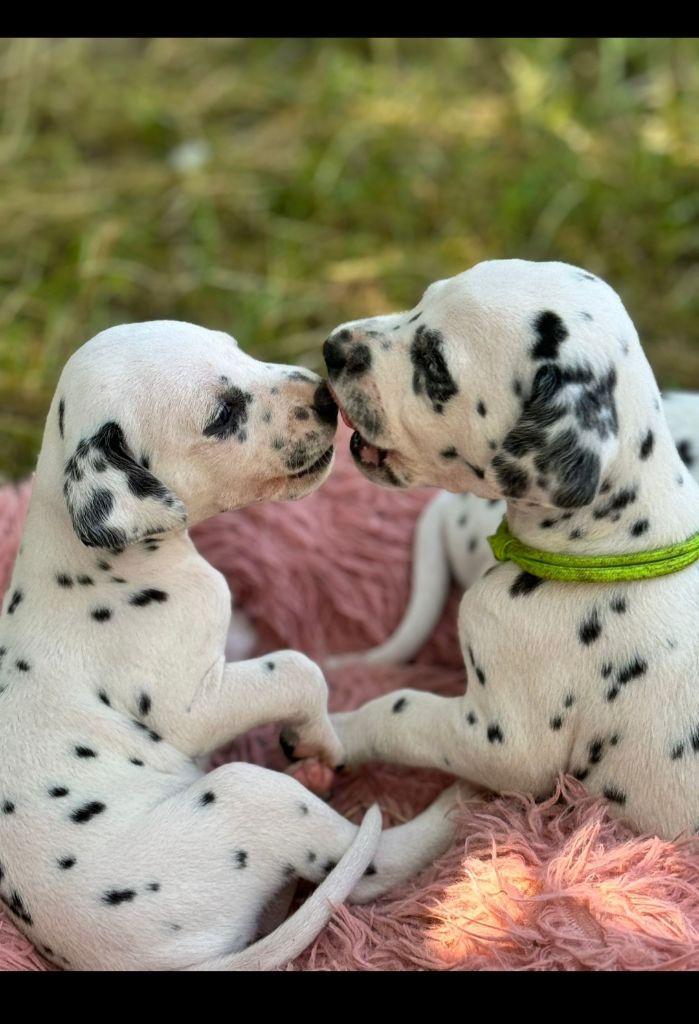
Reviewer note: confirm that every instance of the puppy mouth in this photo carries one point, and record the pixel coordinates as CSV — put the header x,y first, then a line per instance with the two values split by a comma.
x,y
362,450
316,467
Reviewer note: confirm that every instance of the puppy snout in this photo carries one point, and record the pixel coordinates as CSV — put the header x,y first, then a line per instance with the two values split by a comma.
x,y
324,405
342,353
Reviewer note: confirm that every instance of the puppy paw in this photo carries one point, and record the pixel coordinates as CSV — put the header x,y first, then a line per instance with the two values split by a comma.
x,y
300,745
314,775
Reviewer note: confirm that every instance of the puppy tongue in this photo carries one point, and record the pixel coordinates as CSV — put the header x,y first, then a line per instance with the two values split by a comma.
x,y
367,453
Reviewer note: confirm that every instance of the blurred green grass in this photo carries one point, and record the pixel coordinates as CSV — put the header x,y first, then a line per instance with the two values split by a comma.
x,y
274,187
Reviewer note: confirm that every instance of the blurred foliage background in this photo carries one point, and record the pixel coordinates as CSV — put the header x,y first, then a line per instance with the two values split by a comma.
x,y
275,187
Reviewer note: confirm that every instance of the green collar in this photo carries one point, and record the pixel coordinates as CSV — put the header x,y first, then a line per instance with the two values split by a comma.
x,y
640,565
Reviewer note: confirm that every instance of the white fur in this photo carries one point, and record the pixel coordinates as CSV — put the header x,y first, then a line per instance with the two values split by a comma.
x,y
528,380
451,543
116,852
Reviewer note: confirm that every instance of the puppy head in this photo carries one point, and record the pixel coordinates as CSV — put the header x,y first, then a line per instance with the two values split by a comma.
x,y
165,423
507,380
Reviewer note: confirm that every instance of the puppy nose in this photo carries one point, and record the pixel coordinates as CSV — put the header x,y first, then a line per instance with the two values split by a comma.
x,y
355,359
324,404
334,354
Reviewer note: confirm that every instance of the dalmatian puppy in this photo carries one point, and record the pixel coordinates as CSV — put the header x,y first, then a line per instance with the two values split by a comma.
x,y
451,543
526,382
116,851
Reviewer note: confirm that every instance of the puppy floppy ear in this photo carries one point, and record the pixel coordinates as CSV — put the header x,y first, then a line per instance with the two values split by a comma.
x,y
113,500
564,439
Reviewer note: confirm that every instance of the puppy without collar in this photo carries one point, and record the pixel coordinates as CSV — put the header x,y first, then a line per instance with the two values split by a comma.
x,y
116,852
527,381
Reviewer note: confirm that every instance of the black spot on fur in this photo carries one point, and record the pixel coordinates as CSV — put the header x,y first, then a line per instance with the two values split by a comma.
x,y
684,449
144,704
303,808
105,566
617,503
15,601
153,887
647,445
399,705
301,414
16,906
551,333
61,416
480,473
85,752
639,527
22,665
8,807
449,453
269,665
101,614
431,374
618,605
145,597
595,751
495,734
590,629
581,774
471,718
481,676
116,896
59,791
137,761
615,795
85,581
594,406
524,584
481,409
577,469
556,723
207,798
546,524
241,858
65,863
88,811
677,752
64,581
513,480
633,670
329,865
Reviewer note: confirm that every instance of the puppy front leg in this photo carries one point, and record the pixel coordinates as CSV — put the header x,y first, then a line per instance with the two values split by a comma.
x,y
414,728
285,687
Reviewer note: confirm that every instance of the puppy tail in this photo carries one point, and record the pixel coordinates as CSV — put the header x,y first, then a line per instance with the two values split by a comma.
x,y
428,594
291,938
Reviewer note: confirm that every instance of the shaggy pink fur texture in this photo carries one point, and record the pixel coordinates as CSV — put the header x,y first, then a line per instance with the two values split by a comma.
x,y
551,886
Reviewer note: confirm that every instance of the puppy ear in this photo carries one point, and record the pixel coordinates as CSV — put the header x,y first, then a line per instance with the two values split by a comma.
x,y
113,500
564,439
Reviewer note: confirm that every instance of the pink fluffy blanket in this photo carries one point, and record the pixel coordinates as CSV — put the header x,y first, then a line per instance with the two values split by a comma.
x,y
551,886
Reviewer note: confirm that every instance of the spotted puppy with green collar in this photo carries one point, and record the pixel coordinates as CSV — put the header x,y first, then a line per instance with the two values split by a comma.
x,y
525,385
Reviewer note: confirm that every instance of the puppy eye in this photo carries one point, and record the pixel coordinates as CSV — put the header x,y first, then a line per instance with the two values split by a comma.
x,y
221,420
223,415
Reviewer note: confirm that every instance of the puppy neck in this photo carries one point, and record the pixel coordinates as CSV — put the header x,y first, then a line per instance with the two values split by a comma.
x,y
643,503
